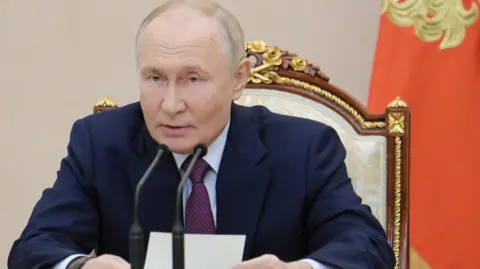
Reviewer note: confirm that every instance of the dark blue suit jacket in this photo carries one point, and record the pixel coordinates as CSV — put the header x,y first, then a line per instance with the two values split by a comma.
x,y
282,182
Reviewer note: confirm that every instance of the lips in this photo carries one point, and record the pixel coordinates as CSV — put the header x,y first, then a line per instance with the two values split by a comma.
x,y
175,126
174,130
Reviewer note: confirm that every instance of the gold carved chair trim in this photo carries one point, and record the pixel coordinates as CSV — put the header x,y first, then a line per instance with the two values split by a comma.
x,y
104,104
269,62
279,70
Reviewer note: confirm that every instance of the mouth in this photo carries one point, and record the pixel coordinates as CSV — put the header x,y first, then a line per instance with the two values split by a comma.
x,y
175,126
174,130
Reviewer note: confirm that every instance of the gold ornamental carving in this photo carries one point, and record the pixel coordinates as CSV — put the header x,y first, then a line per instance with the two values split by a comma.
x,y
298,64
268,61
433,19
396,122
397,103
397,200
258,46
106,102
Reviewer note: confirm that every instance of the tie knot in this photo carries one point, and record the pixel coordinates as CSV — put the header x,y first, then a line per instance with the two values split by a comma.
x,y
199,169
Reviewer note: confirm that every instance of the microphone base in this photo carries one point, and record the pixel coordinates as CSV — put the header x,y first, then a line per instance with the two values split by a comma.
x,y
137,248
178,250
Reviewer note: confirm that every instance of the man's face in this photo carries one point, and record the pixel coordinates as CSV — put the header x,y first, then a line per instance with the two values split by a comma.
x,y
186,86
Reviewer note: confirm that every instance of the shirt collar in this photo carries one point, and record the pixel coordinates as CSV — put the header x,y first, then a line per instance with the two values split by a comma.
x,y
214,154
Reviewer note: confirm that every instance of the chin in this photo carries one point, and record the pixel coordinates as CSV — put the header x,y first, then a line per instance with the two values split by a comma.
x,y
179,145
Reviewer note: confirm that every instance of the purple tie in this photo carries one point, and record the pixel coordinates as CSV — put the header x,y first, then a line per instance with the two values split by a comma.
x,y
198,212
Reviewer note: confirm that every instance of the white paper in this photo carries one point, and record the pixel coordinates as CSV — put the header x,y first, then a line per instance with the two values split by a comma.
x,y
201,251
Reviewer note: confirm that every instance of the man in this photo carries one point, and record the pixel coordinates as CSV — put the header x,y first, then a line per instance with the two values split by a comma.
x,y
280,180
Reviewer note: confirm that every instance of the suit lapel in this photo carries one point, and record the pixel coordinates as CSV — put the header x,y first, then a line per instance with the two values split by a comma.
x,y
157,198
242,180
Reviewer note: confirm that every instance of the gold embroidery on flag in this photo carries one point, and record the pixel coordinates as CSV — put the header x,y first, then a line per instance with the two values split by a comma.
x,y
433,19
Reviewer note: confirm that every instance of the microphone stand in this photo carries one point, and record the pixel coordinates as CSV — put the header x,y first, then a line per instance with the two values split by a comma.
x,y
178,230
137,247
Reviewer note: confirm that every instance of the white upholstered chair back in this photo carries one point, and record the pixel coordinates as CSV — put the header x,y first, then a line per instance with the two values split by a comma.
x,y
377,146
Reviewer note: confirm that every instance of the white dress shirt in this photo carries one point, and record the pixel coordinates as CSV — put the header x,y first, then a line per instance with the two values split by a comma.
x,y
213,158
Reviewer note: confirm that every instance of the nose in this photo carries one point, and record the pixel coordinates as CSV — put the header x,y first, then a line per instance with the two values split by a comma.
x,y
172,102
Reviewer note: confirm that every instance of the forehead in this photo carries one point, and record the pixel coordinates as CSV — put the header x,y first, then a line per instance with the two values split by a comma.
x,y
180,34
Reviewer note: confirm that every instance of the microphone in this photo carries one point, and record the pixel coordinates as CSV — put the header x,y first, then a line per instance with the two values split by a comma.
x,y
137,247
178,230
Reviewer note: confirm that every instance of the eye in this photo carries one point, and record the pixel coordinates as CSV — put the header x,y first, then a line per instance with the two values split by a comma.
x,y
193,79
155,78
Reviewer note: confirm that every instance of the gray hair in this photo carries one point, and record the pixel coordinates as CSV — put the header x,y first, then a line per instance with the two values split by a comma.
x,y
231,32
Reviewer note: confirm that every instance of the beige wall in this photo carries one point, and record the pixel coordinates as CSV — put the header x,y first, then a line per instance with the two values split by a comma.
x,y
58,57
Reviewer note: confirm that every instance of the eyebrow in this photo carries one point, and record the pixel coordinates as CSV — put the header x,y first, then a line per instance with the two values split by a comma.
x,y
152,69
194,68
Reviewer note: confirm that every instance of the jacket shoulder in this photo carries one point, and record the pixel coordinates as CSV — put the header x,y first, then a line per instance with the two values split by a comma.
x,y
294,127
293,137
119,125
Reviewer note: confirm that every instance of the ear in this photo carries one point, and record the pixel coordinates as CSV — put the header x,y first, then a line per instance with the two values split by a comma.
x,y
241,77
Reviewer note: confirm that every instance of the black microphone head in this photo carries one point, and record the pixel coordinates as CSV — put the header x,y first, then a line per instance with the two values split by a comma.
x,y
201,149
163,147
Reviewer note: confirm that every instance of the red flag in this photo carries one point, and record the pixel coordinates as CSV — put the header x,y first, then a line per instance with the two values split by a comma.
x,y
428,53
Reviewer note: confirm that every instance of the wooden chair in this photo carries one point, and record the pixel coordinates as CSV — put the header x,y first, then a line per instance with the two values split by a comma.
x,y
378,146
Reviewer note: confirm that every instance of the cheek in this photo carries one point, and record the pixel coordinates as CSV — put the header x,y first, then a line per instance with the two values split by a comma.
x,y
150,99
150,91
147,87
208,109
205,97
